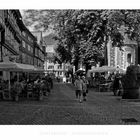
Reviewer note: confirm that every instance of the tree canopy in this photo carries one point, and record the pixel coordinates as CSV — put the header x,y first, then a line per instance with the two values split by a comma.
x,y
83,34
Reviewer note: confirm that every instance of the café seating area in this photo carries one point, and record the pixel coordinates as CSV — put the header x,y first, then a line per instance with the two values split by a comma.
x,y
102,78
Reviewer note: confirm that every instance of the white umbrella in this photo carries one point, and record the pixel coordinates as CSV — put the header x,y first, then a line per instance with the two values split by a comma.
x,y
105,69
12,66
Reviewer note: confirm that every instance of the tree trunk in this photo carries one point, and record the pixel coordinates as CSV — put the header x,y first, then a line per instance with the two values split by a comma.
x,y
137,61
105,58
87,67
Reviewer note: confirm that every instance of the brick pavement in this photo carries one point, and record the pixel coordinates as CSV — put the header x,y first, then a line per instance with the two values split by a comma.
x,y
61,107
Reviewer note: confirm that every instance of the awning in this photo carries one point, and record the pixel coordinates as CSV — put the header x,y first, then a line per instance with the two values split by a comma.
x,y
12,66
38,70
105,69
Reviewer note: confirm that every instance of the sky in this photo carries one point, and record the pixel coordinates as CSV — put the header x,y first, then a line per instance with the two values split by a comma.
x,y
49,31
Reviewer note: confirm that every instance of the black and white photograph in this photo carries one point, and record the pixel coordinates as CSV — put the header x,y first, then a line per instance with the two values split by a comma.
x,y
70,66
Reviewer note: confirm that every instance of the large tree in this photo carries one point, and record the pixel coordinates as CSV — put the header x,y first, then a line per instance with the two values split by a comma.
x,y
83,34
87,32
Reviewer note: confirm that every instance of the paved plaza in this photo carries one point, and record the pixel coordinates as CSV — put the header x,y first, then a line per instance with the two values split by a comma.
x,y
62,108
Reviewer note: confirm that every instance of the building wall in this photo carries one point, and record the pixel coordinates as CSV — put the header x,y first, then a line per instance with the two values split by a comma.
x,y
27,48
39,49
17,43
57,69
2,32
12,41
117,57
51,67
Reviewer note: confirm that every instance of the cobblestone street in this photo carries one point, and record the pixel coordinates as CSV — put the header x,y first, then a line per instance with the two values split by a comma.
x,y
61,107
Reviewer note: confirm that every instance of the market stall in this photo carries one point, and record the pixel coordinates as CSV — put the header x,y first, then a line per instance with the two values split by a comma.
x,y
104,69
102,82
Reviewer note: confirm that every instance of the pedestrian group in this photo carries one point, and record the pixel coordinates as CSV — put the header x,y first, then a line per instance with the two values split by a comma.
x,y
39,87
81,85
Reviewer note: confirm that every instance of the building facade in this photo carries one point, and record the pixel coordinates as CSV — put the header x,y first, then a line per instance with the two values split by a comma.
x,y
2,31
17,43
51,66
12,37
27,47
123,57
39,50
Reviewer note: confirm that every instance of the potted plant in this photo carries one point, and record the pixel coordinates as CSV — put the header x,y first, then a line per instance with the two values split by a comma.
x,y
131,82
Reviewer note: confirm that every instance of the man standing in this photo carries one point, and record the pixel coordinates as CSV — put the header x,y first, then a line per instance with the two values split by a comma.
x,y
79,88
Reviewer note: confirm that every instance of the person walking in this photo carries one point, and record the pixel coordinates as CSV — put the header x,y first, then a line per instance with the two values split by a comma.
x,y
50,80
116,84
17,89
85,88
79,88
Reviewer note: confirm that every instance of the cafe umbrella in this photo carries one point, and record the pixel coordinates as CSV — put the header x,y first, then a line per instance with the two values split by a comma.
x,y
80,71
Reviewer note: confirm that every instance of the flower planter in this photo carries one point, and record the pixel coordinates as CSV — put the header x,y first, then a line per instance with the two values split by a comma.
x,y
132,93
